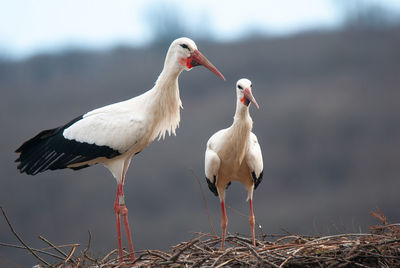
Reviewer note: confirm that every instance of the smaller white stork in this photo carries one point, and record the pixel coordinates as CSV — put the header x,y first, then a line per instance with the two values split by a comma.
x,y
112,134
234,154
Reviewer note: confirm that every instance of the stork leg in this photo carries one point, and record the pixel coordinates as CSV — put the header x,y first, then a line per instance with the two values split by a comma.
x,y
252,222
124,213
224,223
117,213
121,210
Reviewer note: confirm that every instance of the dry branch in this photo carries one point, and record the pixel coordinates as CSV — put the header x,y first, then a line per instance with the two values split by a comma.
x,y
20,240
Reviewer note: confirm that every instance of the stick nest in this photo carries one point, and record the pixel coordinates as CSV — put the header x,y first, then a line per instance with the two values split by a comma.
x,y
379,248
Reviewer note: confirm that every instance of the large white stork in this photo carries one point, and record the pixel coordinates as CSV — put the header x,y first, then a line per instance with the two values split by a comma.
x,y
112,134
234,154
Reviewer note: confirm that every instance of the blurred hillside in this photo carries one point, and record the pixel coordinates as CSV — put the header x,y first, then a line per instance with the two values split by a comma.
x,y
328,125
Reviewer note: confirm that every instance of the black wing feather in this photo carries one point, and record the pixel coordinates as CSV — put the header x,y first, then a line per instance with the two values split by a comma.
x,y
211,186
256,180
49,150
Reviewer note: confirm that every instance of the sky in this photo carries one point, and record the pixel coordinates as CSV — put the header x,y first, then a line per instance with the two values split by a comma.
x,y
28,27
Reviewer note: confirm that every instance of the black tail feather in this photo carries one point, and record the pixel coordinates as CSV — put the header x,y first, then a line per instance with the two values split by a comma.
x,y
50,150
211,186
256,180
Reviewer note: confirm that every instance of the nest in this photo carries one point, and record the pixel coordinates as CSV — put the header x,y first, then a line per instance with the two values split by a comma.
x,y
379,248
345,250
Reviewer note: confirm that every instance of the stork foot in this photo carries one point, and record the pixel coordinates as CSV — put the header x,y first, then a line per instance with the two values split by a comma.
x,y
124,213
122,210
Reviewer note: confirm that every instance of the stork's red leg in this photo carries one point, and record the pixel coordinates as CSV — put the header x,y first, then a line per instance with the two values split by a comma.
x,y
224,223
124,213
120,209
252,222
117,217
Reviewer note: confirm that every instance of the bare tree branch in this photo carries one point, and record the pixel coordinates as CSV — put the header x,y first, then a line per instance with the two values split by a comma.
x,y
21,241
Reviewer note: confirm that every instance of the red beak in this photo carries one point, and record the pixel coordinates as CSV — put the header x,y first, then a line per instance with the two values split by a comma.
x,y
248,95
199,59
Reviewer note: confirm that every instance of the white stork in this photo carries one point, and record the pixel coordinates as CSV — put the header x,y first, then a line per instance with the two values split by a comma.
x,y
112,134
234,154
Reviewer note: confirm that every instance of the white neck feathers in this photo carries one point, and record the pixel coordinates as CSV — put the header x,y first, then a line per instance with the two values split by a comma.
x,y
240,130
242,116
167,102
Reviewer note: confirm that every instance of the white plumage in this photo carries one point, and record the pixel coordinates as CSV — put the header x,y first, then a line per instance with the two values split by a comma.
x,y
234,154
111,135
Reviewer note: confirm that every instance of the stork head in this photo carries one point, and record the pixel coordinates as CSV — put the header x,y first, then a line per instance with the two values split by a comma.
x,y
243,89
187,56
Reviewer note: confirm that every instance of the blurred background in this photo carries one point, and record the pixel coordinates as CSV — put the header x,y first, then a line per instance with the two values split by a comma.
x,y
326,76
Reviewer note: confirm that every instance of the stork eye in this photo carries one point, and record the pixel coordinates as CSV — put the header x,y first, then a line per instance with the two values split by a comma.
x,y
184,46
240,87
251,86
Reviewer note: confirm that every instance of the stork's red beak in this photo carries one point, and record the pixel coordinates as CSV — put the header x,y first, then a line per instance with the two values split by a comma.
x,y
199,59
249,96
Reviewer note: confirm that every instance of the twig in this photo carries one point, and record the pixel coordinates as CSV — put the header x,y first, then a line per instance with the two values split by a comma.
x,y
286,231
222,255
188,245
37,250
108,255
259,258
205,202
69,256
20,240
157,255
85,252
291,236
88,244
379,215
56,248
224,263
387,242
137,259
345,235
290,257
61,246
